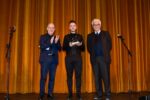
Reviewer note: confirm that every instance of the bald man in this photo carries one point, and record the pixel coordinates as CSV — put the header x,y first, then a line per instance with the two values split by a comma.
x,y
49,47
99,46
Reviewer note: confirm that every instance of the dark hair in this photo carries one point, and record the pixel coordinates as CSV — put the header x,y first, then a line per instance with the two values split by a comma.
x,y
72,21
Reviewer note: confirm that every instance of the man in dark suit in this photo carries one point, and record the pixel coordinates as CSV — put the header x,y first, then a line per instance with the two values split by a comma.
x,y
49,47
73,44
99,46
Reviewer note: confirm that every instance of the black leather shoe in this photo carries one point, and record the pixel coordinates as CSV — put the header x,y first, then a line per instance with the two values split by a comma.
x,y
69,97
79,96
107,98
97,98
50,97
41,98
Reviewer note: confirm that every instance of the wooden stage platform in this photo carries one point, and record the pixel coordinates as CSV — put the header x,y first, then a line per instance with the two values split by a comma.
x,y
85,96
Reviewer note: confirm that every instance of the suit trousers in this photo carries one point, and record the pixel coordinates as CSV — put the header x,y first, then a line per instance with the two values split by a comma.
x,y
101,71
47,68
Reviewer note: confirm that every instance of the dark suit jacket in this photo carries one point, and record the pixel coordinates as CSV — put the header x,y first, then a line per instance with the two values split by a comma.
x,y
46,48
106,44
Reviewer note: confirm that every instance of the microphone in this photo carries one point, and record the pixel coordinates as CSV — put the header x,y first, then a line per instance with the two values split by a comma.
x,y
12,29
120,36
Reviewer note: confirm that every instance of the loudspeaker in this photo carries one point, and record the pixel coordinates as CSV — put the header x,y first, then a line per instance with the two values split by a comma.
x,y
144,97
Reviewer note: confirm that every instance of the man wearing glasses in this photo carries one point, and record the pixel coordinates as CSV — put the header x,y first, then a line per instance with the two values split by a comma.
x,y
99,46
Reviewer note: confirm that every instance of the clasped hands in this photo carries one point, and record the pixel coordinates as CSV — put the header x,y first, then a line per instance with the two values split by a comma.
x,y
77,43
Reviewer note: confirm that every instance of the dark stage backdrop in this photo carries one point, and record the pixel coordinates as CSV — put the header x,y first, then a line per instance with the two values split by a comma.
x,y
131,18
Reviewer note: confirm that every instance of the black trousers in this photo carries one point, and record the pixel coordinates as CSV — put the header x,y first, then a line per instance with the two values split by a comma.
x,y
74,63
101,71
47,67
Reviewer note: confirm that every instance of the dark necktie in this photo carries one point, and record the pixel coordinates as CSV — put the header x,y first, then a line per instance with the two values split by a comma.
x,y
96,36
97,33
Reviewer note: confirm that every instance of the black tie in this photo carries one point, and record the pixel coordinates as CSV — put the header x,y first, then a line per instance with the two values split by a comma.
x,y
97,34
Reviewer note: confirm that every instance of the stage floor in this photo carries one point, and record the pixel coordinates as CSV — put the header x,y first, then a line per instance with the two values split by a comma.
x,y
85,96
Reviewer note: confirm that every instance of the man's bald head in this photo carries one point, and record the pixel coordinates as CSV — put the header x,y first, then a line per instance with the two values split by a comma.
x,y
51,28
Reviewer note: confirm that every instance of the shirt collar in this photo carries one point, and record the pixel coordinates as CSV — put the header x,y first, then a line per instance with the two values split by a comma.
x,y
50,35
97,32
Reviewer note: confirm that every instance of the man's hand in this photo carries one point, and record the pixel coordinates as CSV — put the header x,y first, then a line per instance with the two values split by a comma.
x,y
51,40
71,44
57,38
79,44
75,43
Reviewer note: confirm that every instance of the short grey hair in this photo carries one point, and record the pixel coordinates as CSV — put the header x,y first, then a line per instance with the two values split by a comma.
x,y
96,20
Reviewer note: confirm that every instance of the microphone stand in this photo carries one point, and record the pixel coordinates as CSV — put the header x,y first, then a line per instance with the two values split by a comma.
x,y
129,64
8,54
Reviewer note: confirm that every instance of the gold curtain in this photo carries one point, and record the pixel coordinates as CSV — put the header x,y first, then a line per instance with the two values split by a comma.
x,y
131,18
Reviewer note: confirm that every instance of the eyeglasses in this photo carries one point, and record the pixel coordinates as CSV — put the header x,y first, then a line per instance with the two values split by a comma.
x,y
96,24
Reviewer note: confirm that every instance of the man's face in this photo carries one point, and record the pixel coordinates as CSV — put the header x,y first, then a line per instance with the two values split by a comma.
x,y
72,27
51,29
96,25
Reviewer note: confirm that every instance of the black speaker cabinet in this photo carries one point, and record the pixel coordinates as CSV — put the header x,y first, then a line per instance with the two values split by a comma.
x,y
144,97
